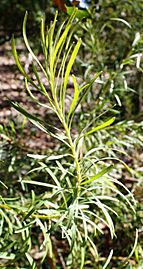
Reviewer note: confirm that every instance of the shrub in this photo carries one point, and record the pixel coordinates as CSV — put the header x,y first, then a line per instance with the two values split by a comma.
x,y
78,192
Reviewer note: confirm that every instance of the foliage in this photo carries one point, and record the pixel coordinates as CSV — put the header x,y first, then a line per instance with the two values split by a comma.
x,y
112,41
79,191
74,208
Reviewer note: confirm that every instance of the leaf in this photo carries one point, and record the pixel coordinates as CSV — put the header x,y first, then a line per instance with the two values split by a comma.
x,y
71,62
60,42
29,225
31,261
43,90
49,213
40,184
108,259
51,49
28,46
83,252
49,129
133,249
14,51
98,175
37,156
107,216
136,39
19,65
7,256
10,226
48,158
94,249
76,95
101,126
35,120
83,92
84,89
43,39
85,227
121,20
3,184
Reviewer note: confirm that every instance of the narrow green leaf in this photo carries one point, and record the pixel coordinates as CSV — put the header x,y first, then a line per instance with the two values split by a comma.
x,y
100,127
114,189
31,261
19,230
62,72
55,179
98,175
47,41
28,46
48,158
49,129
121,20
43,40
10,226
37,156
107,216
85,227
51,33
71,62
40,184
82,257
118,160
14,51
108,259
51,49
50,213
133,249
59,49
35,120
43,90
94,249
76,95
7,256
50,172
83,92
19,65
60,42
3,184
36,100
59,33
92,223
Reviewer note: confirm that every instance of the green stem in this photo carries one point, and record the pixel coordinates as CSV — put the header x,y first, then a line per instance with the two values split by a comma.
x,y
75,157
72,146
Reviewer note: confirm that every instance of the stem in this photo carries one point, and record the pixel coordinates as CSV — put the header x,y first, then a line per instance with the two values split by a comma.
x,y
75,157
72,146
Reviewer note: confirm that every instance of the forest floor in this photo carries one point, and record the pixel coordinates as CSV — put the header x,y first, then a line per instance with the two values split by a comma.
x,y
12,89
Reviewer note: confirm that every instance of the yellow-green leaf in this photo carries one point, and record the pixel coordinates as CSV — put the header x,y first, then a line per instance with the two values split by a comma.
x,y
28,46
76,95
71,62
14,51
60,42
98,175
101,126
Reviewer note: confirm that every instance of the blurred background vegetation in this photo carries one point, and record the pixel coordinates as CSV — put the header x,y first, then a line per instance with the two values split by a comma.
x,y
112,42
